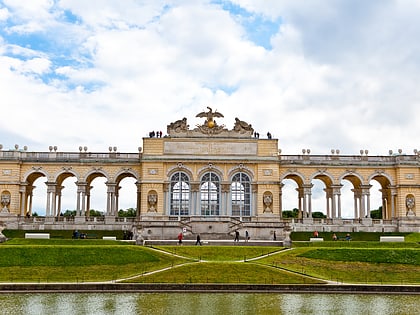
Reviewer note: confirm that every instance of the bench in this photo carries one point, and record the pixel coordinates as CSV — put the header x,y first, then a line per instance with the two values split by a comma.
x,y
109,238
37,235
391,239
91,236
316,239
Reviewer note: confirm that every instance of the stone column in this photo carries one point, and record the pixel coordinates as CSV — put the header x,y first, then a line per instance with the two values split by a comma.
x,y
366,199
225,199
281,200
195,199
50,209
301,204
58,190
254,198
81,198
22,199
308,199
139,212
358,203
385,197
328,195
393,201
111,199
336,191
30,197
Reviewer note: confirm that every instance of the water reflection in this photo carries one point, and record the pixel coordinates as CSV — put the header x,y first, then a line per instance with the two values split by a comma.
x,y
207,303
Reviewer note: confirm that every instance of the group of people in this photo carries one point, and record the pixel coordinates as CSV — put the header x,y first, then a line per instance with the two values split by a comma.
x,y
247,236
334,236
181,237
157,134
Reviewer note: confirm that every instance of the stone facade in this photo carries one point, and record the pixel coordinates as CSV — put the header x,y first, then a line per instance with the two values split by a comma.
x,y
212,178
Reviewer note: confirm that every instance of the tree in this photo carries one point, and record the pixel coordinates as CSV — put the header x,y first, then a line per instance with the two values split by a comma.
x,y
291,213
318,215
129,213
376,214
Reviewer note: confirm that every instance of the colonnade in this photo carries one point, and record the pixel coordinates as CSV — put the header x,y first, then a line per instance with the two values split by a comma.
x,y
333,201
332,193
54,195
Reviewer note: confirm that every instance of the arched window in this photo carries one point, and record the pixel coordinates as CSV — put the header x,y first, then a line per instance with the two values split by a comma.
x,y
180,194
210,194
240,189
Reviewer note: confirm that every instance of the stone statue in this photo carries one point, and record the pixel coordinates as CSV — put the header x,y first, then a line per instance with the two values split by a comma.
x,y
242,126
268,200
178,126
410,203
152,199
5,202
210,122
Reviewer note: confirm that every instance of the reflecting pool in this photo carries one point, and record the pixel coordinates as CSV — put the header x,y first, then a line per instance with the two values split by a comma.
x,y
207,303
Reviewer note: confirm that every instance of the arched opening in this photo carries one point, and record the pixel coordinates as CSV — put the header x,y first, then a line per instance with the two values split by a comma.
x,y
96,192
67,193
290,198
36,195
318,198
127,196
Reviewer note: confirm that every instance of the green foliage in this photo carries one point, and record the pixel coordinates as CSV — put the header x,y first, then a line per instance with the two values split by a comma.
x,y
129,213
290,213
69,213
95,213
376,214
318,215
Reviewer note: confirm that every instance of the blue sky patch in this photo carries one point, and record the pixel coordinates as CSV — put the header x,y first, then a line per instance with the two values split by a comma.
x,y
259,29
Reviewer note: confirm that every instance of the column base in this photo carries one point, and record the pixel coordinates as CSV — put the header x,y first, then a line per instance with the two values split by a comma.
x,y
109,219
79,219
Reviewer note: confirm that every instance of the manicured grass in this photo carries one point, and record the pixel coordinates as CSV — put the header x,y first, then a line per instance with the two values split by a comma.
x,y
225,273
350,265
83,262
385,255
220,253
67,260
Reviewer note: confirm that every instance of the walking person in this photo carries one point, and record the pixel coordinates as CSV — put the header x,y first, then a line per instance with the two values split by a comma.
x,y
247,236
180,237
236,236
198,242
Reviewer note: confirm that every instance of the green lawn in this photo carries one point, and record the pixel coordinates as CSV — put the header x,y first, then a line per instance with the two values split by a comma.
x,y
77,260
352,265
217,272
67,260
220,253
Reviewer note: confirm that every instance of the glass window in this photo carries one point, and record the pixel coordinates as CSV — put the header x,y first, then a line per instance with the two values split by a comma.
x,y
241,195
210,194
180,194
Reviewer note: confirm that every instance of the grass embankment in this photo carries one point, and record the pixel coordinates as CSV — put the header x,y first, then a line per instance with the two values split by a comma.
x,y
23,260
224,264
77,260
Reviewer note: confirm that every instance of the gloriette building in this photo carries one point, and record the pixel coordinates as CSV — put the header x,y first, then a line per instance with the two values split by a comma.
x,y
210,179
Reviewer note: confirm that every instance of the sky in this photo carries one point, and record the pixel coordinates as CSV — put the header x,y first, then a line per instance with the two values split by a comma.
x,y
318,75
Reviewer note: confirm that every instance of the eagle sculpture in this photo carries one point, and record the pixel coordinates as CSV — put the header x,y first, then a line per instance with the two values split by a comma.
x,y
210,122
